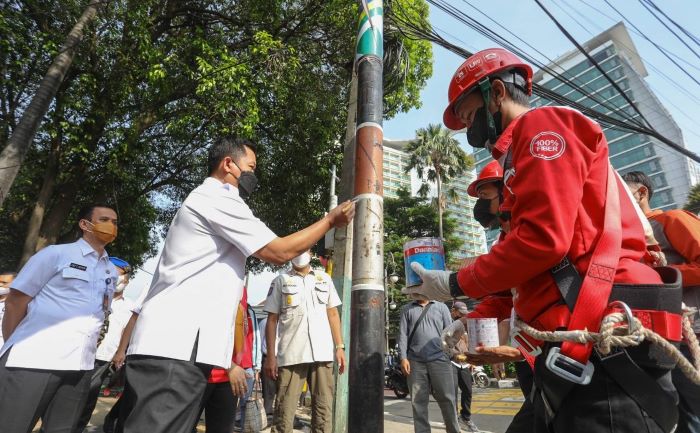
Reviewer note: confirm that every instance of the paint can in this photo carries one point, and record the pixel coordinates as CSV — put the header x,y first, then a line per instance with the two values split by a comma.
x,y
482,333
429,252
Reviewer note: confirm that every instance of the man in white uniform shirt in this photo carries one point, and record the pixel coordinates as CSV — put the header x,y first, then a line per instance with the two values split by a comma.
x,y
6,278
54,314
302,306
121,313
186,324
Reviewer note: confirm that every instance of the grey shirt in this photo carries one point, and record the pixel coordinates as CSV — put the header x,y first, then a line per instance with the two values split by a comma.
x,y
426,345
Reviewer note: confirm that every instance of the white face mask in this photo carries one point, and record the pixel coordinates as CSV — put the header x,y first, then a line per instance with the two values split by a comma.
x,y
301,261
4,291
122,282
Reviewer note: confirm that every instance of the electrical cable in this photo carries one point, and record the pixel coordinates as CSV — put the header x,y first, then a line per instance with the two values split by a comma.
x,y
411,31
654,44
648,8
592,60
678,26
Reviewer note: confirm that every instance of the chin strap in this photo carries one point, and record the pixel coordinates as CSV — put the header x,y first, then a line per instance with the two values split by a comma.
x,y
485,87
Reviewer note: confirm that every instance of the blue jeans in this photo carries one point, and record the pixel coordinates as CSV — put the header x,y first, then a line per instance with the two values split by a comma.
x,y
250,382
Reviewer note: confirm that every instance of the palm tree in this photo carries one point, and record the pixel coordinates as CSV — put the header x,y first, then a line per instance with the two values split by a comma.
x,y
20,141
437,157
693,204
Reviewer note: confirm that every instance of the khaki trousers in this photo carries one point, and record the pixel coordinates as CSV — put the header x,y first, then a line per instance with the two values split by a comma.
x,y
290,381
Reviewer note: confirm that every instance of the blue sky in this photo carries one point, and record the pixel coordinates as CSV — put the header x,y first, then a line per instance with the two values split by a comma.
x,y
680,94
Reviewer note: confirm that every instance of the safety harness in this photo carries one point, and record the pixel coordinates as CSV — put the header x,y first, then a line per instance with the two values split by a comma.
x,y
587,300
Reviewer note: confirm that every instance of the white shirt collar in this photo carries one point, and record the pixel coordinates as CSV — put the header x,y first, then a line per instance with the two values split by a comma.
x,y
214,182
86,249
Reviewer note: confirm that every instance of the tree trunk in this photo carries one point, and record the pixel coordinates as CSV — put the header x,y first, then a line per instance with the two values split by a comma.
x,y
42,201
21,139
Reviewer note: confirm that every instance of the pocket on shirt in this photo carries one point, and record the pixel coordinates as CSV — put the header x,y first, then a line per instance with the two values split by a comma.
x,y
291,298
322,294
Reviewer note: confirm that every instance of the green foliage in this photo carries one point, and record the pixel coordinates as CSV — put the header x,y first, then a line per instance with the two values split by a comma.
x,y
155,82
693,203
407,218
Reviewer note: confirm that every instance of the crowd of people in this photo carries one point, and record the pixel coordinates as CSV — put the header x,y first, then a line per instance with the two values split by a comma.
x,y
578,242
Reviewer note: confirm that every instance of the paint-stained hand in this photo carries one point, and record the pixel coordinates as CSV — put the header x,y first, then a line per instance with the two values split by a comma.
x,y
342,214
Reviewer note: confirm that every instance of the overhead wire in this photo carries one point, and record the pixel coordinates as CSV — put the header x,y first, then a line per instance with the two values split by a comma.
x,y
654,44
691,36
486,32
409,30
649,9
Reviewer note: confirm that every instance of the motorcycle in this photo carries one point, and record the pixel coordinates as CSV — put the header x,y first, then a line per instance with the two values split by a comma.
x,y
394,378
479,376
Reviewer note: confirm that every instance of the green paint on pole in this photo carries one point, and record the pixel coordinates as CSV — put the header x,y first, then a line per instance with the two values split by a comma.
x,y
370,35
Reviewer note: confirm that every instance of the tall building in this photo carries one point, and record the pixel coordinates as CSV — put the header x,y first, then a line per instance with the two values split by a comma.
x,y
396,161
614,50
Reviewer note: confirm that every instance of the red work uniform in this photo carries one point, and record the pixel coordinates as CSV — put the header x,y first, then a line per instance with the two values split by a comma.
x,y
556,192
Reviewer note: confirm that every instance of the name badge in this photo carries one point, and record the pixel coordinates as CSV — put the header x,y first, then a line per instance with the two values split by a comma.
x,y
78,267
289,299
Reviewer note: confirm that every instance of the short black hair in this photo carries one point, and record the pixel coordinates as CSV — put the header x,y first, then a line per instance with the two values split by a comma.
x,y
85,212
641,178
233,147
13,273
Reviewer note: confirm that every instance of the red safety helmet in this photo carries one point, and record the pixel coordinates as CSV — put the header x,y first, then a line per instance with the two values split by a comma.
x,y
485,63
491,172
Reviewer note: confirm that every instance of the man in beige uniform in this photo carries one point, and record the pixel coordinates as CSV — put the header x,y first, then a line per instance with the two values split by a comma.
x,y
302,308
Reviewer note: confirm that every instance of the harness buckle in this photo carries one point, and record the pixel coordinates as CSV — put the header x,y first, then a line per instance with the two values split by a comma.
x,y
525,345
568,368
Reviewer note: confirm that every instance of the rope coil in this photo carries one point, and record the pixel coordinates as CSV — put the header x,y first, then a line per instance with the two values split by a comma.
x,y
615,332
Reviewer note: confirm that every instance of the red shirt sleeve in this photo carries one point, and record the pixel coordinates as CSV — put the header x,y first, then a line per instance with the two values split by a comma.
x,y
552,152
493,306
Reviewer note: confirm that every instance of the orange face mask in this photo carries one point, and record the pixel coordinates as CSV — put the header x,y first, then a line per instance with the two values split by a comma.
x,y
104,231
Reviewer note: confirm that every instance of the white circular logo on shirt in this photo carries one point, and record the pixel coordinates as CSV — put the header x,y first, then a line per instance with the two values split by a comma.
x,y
547,145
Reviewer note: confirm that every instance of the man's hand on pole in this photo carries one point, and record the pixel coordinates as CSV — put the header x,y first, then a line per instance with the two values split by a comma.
x,y
342,214
435,287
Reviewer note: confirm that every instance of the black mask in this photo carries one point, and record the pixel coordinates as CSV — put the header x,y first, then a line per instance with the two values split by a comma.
x,y
479,133
247,182
482,213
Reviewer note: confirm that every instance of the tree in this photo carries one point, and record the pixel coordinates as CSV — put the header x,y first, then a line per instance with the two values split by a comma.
x,y
693,203
437,157
13,153
407,218
154,82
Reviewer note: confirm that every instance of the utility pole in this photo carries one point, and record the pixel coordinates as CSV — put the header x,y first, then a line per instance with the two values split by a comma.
x,y
366,396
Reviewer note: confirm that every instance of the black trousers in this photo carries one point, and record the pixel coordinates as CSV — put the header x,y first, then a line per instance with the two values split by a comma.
x,y
601,406
163,394
98,376
689,396
524,420
463,380
269,389
56,396
219,407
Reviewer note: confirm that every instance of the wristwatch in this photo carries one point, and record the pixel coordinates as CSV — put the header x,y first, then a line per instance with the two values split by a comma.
x,y
340,346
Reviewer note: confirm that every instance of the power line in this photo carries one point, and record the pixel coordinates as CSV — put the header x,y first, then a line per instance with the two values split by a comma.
x,y
654,44
678,26
412,31
646,6
592,60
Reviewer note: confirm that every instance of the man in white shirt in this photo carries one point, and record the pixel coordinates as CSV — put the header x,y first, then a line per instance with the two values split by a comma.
x,y
186,324
121,313
6,278
54,313
302,306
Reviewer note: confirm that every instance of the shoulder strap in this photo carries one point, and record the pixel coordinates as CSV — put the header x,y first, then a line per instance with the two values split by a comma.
x,y
598,281
415,326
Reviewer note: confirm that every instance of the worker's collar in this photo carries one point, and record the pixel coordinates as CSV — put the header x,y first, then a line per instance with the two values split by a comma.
x,y
295,272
